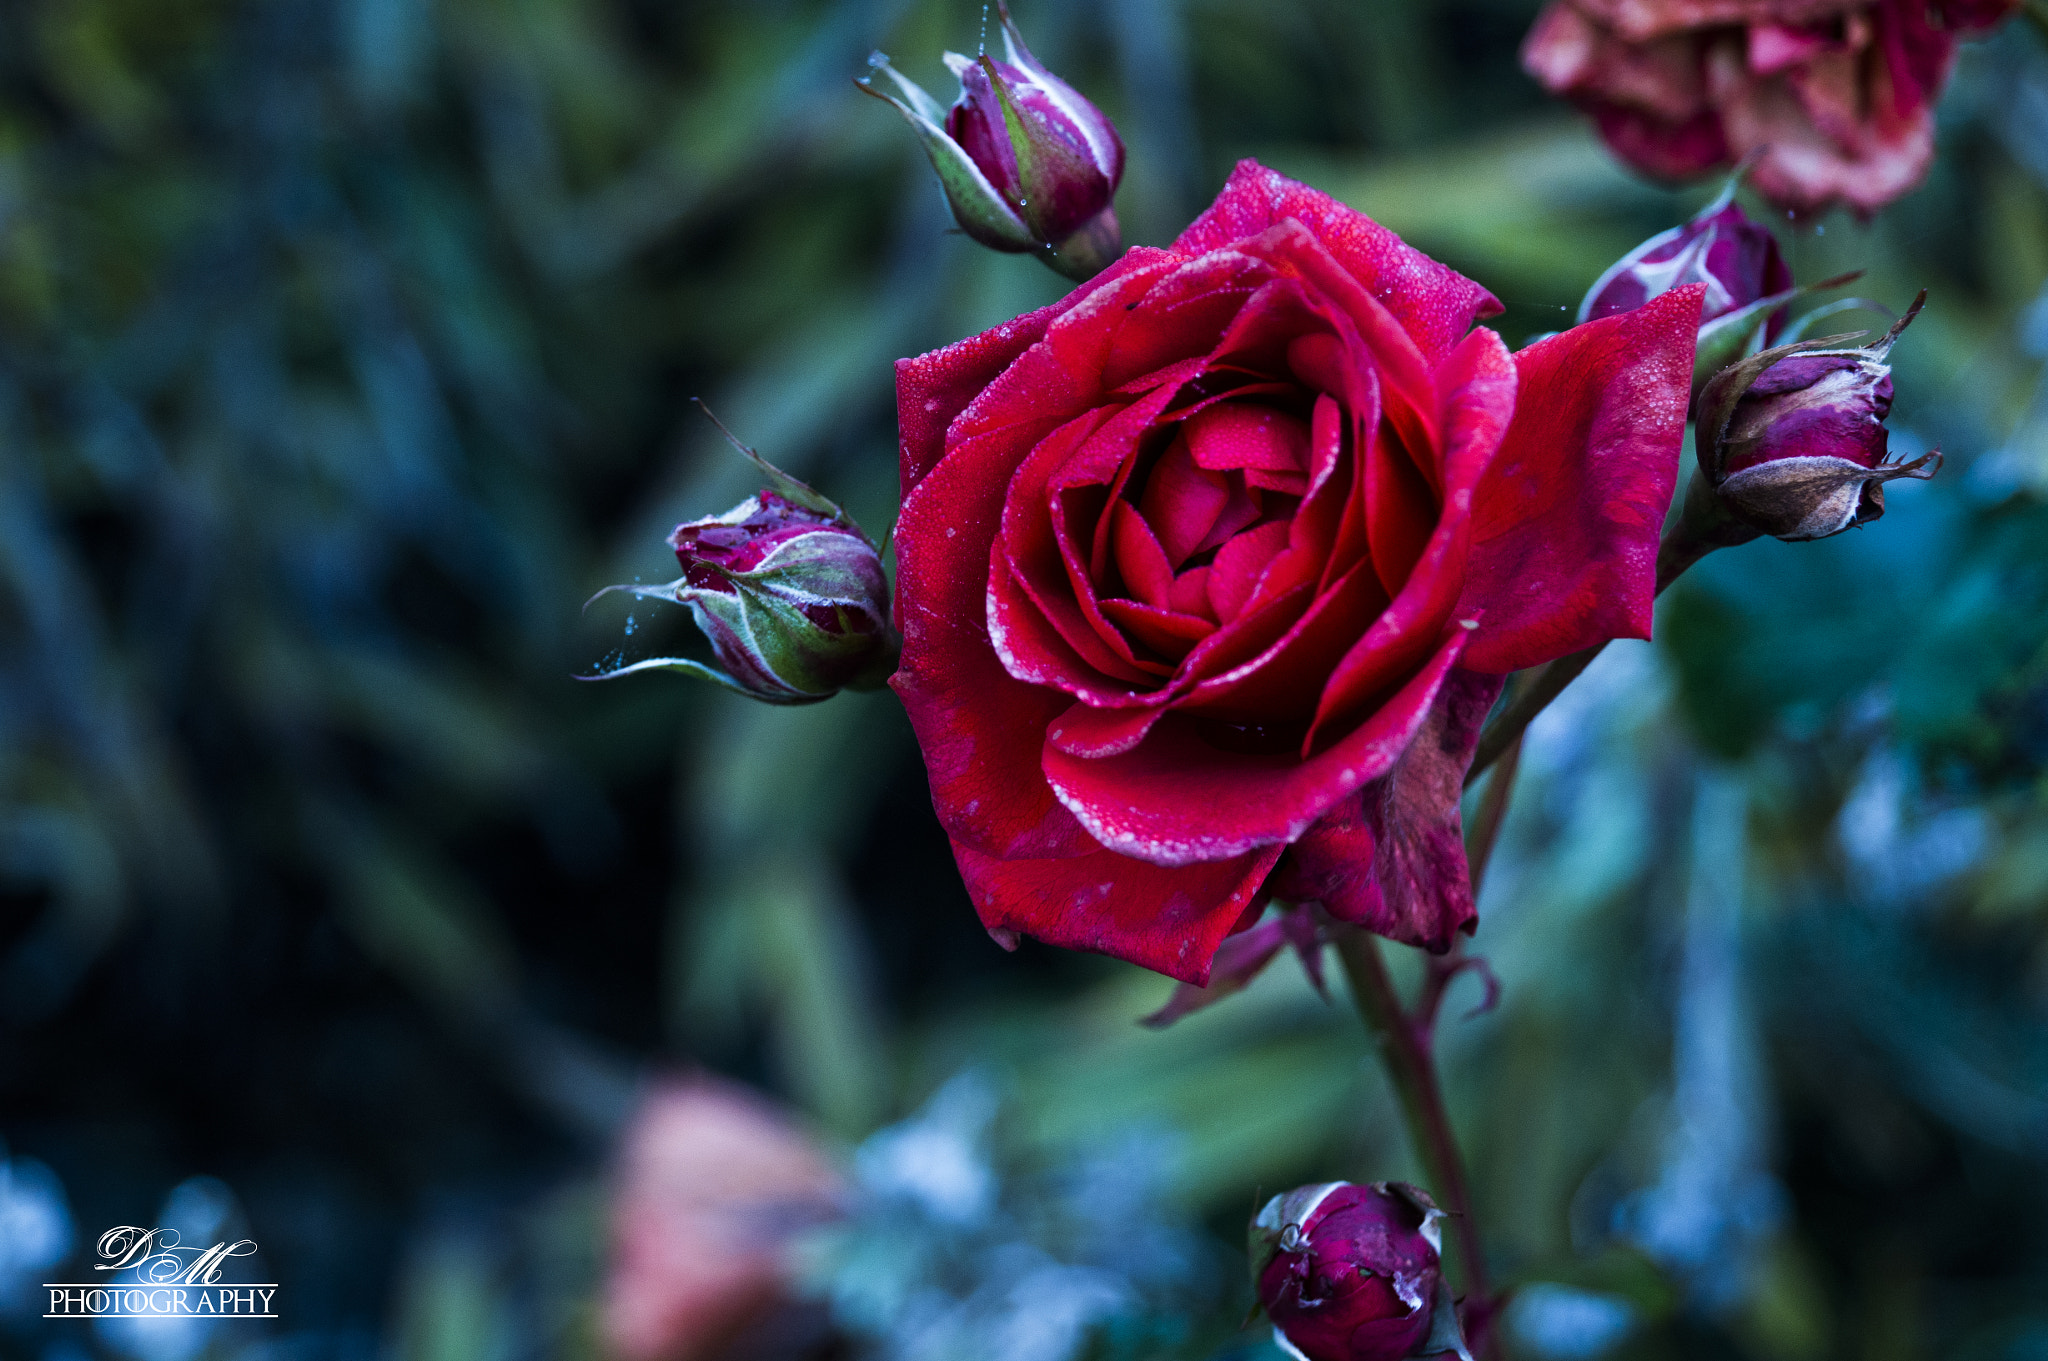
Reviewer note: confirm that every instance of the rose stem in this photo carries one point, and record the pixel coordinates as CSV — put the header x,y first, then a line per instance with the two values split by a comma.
x,y
1404,1045
1533,690
1406,1041
1493,810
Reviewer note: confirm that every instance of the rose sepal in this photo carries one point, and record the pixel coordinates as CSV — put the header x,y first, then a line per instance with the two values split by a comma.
x,y
980,210
1277,1226
1446,1335
1726,339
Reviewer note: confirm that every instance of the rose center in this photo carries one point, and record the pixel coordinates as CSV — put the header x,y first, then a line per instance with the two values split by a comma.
x,y
1191,534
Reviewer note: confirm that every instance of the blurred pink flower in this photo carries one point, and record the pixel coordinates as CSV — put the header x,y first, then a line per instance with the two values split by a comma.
x,y
713,1184
1836,95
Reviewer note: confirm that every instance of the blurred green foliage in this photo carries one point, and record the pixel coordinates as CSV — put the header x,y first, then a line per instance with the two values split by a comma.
x,y
346,348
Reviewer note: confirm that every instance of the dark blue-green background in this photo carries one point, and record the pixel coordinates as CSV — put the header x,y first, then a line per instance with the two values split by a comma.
x,y
346,347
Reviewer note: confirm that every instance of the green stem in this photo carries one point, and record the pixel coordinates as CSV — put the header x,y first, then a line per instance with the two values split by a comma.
x,y
1404,1045
1493,810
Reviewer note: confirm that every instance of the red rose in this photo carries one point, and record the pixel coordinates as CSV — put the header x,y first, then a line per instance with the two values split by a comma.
x,y
1212,568
1837,95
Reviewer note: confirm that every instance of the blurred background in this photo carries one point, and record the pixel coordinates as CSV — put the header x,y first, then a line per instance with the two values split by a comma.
x,y
346,348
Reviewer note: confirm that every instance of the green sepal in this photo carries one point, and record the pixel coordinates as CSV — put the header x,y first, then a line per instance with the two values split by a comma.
x,y
1731,336
791,489
701,671
1805,322
1276,1228
1446,1335
1044,162
980,210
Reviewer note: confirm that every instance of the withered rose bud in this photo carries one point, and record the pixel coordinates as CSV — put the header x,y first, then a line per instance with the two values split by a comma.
x,y
1349,1273
789,591
1027,164
1792,441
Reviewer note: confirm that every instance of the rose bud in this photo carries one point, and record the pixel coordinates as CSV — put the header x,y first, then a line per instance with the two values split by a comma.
x,y
1736,257
1027,164
1348,1273
1747,281
790,592
1792,441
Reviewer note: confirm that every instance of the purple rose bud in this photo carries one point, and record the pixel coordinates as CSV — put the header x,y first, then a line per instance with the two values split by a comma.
x,y
1748,282
1349,1273
1027,164
1736,258
1792,441
789,591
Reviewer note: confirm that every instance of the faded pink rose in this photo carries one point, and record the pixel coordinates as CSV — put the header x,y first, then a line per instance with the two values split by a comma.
x,y
1837,96
712,1187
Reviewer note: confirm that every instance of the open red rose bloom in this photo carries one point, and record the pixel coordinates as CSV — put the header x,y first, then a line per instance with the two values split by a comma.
x,y
1209,572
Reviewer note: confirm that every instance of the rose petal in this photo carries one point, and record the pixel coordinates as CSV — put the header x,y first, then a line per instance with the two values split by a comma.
x,y
1055,503
1372,336
1032,650
1181,502
1260,626
1479,384
1190,593
1564,540
1392,857
1184,314
1398,507
1245,435
1280,682
1648,97
1644,19
934,388
1058,378
981,729
1239,565
1139,558
1166,919
1041,559
1166,633
1434,303
1244,509
1094,733
1174,799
